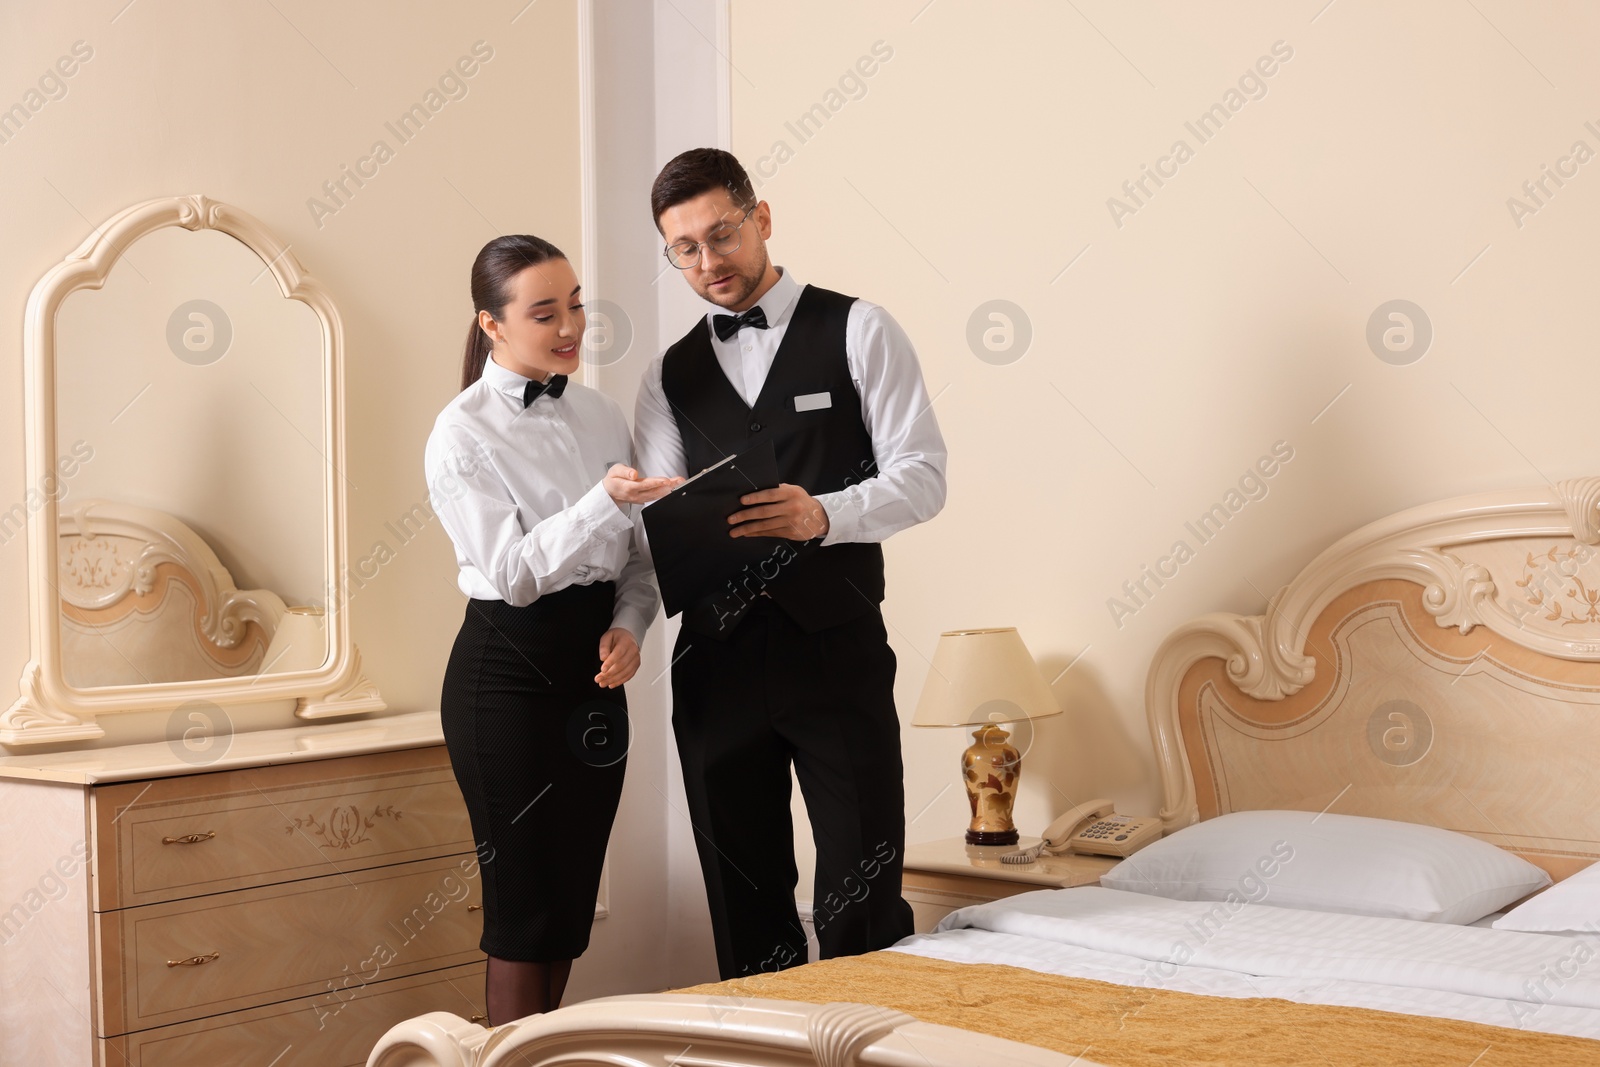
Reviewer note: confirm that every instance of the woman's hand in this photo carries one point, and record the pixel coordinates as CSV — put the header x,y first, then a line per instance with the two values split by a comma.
x,y
627,486
619,658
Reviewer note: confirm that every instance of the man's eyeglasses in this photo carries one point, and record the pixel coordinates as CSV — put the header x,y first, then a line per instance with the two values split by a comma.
x,y
724,241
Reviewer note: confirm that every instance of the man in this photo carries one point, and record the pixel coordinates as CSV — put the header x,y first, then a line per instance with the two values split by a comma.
x,y
791,661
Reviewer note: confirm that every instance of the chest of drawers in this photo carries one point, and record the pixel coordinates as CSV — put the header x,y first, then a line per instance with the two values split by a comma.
x,y
284,913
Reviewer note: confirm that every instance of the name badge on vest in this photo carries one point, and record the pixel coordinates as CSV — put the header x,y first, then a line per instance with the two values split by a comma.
x,y
813,401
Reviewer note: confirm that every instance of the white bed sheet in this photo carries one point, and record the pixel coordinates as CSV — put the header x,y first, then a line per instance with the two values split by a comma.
x,y
1526,981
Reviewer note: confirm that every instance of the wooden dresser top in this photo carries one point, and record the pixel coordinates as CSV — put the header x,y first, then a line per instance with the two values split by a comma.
x,y
260,748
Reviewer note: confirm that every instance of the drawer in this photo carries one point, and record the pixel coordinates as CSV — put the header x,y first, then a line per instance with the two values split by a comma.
x,y
311,1032
252,947
928,906
181,837
971,889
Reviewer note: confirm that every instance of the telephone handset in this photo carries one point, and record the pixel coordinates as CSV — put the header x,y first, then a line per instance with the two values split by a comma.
x,y
1096,828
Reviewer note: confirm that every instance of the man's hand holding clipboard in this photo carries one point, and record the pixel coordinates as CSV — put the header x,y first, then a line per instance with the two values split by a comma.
x,y
695,551
787,511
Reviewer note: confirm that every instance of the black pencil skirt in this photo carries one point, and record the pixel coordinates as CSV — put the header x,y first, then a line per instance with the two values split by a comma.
x,y
538,750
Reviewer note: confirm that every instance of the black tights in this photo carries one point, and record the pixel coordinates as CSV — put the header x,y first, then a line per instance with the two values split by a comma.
x,y
517,988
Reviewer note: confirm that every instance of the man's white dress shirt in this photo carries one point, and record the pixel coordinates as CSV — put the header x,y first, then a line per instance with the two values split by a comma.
x,y
906,444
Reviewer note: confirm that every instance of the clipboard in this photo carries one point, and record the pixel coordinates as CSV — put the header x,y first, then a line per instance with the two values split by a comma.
x,y
688,528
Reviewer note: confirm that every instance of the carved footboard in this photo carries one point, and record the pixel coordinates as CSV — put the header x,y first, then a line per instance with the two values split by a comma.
x,y
673,1030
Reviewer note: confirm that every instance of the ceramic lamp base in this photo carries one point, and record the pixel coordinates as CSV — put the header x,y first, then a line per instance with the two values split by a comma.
x,y
990,767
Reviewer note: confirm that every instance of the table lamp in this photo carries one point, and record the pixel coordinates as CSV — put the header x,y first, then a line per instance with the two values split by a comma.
x,y
983,678
299,643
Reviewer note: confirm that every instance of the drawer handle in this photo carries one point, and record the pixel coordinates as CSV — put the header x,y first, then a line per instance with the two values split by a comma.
x,y
194,961
474,907
478,1019
189,839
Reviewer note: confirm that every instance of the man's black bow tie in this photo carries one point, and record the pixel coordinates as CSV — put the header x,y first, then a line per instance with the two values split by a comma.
x,y
553,388
728,325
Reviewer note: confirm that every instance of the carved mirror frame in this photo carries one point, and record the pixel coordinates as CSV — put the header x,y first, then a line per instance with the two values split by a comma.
x,y
49,710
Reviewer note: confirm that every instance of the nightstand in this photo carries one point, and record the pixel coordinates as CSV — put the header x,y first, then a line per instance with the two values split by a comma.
x,y
941,876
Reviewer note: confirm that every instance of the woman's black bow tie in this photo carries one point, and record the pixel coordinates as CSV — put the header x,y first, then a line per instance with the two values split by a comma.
x,y
554,388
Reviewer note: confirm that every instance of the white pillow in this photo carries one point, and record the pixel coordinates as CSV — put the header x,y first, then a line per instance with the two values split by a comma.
x,y
1345,863
1571,906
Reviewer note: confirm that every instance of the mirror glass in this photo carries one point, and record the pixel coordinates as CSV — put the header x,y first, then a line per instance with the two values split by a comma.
x,y
190,435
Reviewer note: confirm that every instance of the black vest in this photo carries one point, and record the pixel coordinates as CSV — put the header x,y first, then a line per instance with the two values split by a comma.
x,y
823,450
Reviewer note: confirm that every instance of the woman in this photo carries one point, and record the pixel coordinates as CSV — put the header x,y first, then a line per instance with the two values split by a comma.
x,y
529,475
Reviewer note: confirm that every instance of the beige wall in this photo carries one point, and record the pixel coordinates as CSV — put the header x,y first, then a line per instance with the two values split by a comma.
x,y
1177,340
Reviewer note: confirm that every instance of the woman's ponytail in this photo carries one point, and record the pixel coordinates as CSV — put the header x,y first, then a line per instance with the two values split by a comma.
x,y
475,354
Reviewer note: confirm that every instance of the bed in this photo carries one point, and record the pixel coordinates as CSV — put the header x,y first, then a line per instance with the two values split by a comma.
x,y
1437,670
145,599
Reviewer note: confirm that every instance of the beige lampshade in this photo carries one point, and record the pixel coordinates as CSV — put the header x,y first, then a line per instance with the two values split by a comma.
x,y
300,643
981,676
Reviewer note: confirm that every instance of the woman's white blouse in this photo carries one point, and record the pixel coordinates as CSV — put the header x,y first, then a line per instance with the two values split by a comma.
x,y
518,491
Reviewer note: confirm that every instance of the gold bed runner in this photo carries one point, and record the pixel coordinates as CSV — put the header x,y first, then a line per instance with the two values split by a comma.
x,y
1122,1026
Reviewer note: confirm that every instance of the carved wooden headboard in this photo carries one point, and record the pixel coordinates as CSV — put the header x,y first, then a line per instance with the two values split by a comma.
x,y
145,599
1439,666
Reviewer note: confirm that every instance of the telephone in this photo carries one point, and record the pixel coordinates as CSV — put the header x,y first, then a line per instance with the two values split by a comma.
x,y
1094,827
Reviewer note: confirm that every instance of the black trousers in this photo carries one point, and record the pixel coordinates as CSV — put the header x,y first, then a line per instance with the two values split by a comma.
x,y
744,709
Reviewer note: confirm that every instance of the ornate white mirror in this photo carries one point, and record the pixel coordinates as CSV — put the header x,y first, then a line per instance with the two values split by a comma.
x,y
185,452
